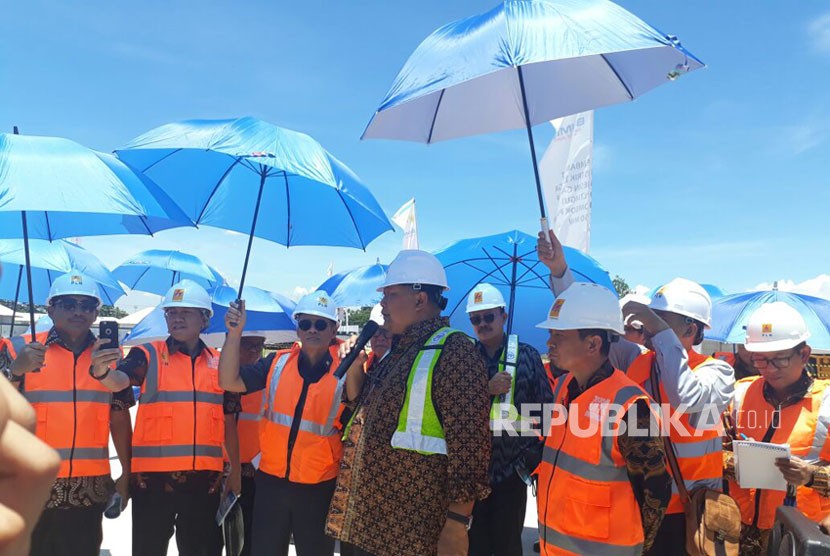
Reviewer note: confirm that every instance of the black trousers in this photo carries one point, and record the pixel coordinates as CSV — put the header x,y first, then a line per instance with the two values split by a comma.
x,y
283,508
68,532
192,512
499,519
671,537
246,504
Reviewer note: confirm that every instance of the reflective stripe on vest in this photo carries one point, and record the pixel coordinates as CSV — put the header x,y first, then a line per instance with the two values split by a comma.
x,y
585,546
177,450
83,453
418,426
41,396
504,405
250,416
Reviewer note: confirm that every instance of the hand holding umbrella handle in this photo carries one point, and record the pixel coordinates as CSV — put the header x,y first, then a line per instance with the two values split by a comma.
x,y
232,320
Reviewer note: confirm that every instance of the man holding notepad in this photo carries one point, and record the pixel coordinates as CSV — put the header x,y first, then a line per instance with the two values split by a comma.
x,y
783,406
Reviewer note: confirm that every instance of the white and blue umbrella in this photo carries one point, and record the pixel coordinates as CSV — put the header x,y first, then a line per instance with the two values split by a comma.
x,y
523,63
731,313
357,287
269,314
155,271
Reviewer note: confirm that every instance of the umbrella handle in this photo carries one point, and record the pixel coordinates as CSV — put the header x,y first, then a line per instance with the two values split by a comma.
x,y
543,221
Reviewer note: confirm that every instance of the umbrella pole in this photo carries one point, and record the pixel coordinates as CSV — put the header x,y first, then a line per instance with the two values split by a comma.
x,y
262,177
543,220
28,273
16,299
513,260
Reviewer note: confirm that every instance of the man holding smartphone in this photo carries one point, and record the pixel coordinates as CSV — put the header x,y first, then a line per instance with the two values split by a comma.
x,y
75,415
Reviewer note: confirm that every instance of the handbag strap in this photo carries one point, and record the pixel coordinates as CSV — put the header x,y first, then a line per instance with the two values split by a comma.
x,y
671,456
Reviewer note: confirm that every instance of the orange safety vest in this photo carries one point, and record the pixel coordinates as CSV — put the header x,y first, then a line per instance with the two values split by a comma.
x,y
180,424
583,478
248,426
316,451
803,426
73,409
699,451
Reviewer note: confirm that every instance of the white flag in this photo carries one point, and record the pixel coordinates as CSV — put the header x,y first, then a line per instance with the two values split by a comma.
x,y
405,218
565,171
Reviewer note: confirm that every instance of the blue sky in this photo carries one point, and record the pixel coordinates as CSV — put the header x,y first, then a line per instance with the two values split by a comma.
x,y
719,177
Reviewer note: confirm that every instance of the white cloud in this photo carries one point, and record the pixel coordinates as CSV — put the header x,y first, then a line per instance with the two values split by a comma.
x,y
802,138
819,32
298,292
818,286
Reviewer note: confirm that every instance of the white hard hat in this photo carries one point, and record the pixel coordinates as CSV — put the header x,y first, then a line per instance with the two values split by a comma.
x,y
73,283
633,323
253,334
187,293
585,306
317,303
483,297
413,266
774,327
377,314
684,297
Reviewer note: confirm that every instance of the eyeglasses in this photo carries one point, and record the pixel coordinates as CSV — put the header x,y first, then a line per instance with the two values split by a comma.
x,y
258,346
71,305
475,320
778,362
318,324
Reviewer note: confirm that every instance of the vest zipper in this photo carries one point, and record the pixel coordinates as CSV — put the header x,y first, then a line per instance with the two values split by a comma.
x,y
767,437
74,412
193,382
553,471
295,425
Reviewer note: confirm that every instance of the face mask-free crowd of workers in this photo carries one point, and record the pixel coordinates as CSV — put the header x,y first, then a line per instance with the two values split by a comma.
x,y
429,441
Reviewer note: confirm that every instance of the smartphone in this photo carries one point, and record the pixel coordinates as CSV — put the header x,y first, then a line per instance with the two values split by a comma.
x,y
108,330
225,507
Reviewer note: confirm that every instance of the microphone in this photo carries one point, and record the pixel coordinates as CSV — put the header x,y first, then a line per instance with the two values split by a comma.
x,y
365,335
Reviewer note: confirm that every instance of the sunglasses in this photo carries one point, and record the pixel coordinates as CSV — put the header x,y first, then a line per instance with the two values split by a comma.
x,y
72,305
319,324
475,320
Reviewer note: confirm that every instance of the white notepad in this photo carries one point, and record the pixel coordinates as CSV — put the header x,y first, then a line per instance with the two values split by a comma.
x,y
755,464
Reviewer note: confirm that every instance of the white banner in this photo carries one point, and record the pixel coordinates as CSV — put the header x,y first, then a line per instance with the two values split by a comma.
x,y
405,218
565,171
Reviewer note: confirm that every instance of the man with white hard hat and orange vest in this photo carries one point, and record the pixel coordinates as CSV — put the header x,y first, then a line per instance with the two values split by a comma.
x,y
784,405
177,456
300,428
75,415
417,451
517,378
692,388
243,439
603,483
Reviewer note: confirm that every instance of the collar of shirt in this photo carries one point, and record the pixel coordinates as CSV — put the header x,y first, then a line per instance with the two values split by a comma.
x,y
492,362
174,346
312,372
419,332
793,394
601,374
54,337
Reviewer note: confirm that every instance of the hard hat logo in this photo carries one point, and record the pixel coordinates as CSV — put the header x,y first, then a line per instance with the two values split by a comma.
x,y
478,297
766,328
178,295
322,301
556,308
76,280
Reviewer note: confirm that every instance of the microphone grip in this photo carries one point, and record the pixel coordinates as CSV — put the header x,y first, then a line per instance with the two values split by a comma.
x,y
365,335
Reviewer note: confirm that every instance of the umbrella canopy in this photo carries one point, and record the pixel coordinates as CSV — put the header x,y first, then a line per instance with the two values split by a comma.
x,y
156,270
731,313
224,172
52,188
357,287
508,261
268,313
523,63
49,260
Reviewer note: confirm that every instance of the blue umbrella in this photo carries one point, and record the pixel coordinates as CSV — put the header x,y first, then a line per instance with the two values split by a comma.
x,y
52,188
223,171
731,313
156,270
523,63
268,313
49,260
508,261
357,287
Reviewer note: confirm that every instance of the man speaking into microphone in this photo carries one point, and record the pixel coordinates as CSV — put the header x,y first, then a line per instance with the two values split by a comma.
x,y
300,428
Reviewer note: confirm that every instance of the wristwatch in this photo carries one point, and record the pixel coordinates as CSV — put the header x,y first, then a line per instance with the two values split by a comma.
x,y
467,520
